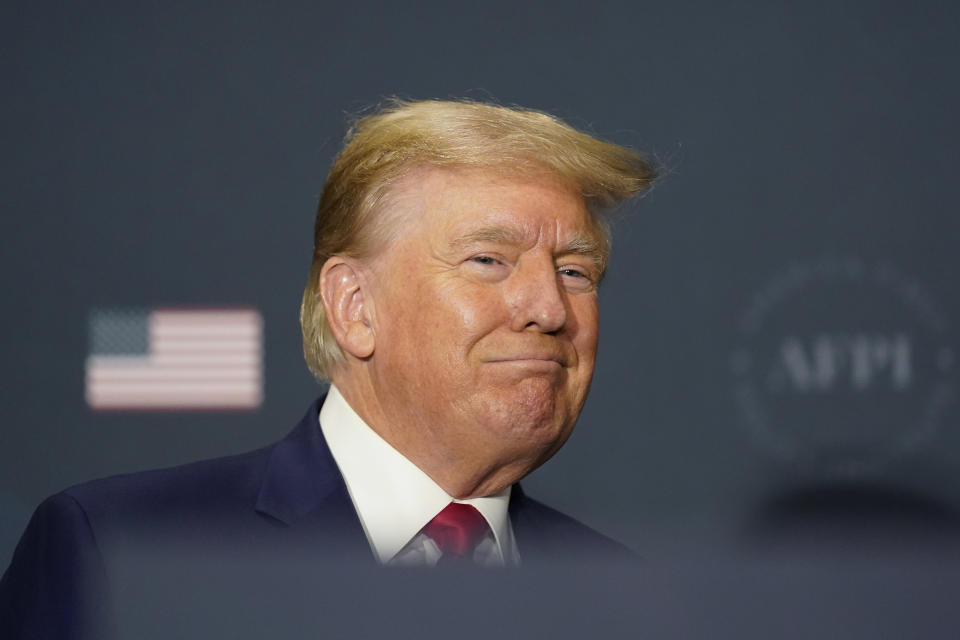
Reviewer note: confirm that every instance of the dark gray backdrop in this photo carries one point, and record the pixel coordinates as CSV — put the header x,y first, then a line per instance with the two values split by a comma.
x,y
753,389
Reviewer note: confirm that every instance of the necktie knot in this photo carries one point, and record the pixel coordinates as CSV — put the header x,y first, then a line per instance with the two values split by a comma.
x,y
457,530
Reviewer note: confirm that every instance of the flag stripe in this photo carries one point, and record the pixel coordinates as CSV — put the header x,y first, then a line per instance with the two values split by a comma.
x,y
119,376
220,331
199,359
191,318
179,344
178,388
154,402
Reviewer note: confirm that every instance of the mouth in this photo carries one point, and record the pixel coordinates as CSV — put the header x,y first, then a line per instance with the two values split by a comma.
x,y
532,359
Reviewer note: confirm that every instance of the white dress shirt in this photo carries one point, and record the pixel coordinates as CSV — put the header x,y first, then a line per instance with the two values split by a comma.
x,y
395,499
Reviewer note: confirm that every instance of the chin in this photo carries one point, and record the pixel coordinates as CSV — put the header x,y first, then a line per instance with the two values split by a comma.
x,y
530,410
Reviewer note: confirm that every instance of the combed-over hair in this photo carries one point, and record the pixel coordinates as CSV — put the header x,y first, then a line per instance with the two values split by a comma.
x,y
381,148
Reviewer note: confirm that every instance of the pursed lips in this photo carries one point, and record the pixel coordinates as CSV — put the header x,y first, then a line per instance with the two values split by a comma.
x,y
531,358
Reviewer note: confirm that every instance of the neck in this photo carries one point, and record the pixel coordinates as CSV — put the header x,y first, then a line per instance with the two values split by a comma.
x,y
458,470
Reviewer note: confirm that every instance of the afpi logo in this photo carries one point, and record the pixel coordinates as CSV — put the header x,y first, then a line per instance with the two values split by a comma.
x,y
842,366
823,362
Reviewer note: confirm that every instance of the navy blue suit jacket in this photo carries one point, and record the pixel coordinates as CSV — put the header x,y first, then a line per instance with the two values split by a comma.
x,y
103,541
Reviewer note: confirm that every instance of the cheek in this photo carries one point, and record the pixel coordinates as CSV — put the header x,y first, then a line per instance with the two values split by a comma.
x,y
583,323
463,313
427,332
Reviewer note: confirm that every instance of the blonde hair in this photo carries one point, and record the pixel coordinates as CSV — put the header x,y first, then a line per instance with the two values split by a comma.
x,y
381,148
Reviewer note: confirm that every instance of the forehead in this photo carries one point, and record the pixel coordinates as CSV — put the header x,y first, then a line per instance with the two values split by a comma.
x,y
472,204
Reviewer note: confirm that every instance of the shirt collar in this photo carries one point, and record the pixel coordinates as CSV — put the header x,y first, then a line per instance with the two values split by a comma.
x,y
393,497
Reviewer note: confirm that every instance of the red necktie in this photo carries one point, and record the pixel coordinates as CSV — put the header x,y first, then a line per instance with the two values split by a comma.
x,y
457,530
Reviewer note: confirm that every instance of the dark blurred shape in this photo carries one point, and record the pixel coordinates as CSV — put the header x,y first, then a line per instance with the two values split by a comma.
x,y
861,520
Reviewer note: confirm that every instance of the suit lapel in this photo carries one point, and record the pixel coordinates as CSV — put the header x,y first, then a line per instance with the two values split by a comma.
x,y
528,528
303,488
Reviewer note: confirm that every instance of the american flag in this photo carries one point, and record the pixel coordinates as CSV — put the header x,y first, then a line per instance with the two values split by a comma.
x,y
175,359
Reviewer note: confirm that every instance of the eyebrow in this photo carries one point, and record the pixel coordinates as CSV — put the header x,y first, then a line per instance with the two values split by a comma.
x,y
581,244
500,235
584,245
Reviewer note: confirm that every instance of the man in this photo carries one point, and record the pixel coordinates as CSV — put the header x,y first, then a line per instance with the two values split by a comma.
x,y
452,302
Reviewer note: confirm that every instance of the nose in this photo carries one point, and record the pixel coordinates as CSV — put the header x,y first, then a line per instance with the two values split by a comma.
x,y
536,298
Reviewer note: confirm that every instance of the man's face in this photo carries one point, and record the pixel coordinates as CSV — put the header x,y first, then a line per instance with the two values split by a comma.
x,y
485,317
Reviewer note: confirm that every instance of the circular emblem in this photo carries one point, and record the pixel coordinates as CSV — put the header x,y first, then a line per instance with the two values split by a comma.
x,y
842,366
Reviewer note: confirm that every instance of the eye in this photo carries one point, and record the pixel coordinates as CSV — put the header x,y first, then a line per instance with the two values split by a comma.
x,y
484,267
576,279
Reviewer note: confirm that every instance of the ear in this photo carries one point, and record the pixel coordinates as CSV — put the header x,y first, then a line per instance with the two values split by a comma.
x,y
347,306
